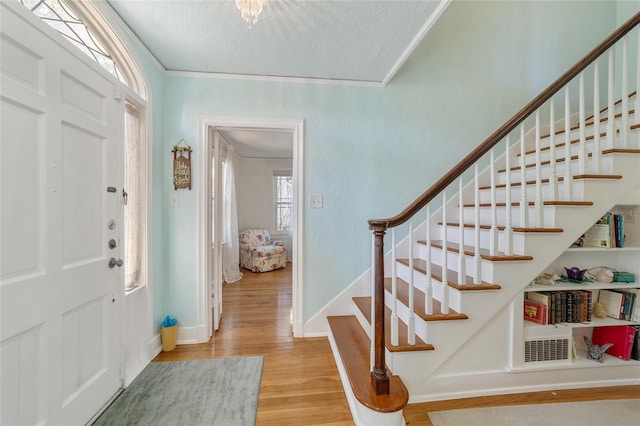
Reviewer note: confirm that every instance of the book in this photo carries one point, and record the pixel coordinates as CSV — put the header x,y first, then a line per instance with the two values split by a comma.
x,y
535,312
632,306
613,303
635,349
622,337
543,297
599,235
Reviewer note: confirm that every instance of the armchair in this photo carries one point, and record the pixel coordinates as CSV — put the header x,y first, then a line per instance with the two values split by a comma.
x,y
259,253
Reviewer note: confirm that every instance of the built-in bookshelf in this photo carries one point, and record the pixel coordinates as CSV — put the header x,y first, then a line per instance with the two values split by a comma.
x,y
561,345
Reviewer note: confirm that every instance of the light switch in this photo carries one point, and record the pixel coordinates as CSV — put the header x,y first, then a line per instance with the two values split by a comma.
x,y
315,201
174,199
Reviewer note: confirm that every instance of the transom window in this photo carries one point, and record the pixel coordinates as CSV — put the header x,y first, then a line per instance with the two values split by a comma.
x,y
283,200
58,15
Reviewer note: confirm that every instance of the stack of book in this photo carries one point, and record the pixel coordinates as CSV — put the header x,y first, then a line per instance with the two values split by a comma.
x,y
553,307
621,303
608,232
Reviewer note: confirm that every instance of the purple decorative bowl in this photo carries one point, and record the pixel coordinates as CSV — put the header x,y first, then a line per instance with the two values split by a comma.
x,y
575,273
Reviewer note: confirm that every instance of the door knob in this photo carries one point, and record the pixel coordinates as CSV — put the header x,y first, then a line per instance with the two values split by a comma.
x,y
113,262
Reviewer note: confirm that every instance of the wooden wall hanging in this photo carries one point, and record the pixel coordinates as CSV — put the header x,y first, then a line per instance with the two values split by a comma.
x,y
181,165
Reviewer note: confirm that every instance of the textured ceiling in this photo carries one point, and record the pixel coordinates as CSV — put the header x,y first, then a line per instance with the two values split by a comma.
x,y
354,40
348,40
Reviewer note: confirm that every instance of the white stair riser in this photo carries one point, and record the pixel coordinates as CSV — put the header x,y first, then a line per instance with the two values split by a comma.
x,y
469,235
549,216
486,267
545,170
420,280
485,194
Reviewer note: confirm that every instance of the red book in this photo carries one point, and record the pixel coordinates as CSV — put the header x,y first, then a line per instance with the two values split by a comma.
x,y
535,312
621,336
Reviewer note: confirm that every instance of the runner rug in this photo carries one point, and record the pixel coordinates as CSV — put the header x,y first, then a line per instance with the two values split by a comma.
x,y
619,412
199,392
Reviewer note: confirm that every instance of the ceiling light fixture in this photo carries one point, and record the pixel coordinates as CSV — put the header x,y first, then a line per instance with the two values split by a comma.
x,y
250,10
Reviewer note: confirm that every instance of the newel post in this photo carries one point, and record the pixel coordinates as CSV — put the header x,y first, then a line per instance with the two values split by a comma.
x,y
379,378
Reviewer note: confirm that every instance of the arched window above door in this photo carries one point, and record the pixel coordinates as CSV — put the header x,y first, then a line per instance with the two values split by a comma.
x,y
83,25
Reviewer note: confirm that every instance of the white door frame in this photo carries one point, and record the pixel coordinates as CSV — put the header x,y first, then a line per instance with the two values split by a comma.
x,y
203,206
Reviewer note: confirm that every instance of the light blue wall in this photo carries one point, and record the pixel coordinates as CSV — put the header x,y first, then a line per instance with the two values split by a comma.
x,y
371,151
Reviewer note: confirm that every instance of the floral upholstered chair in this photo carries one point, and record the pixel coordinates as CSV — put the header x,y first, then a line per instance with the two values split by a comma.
x,y
259,253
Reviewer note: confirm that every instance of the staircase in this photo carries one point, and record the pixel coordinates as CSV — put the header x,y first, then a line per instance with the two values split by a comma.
x,y
483,233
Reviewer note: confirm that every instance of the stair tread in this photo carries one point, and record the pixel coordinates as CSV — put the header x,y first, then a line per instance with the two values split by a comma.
x,y
608,151
469,251
560,179
364,305
532,203
403,297
502,228
354,347
436,272
588,123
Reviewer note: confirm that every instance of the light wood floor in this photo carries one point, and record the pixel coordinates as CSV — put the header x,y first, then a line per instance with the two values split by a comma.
x,y
300,381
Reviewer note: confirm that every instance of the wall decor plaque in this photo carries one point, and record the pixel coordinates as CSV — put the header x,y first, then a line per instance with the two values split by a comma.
x,y
181,165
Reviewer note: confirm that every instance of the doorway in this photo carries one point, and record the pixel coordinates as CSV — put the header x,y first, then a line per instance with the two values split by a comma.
x,y
209,278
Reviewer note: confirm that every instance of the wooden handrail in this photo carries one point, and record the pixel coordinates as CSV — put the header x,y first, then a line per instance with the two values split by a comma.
x,y
506,129
379,378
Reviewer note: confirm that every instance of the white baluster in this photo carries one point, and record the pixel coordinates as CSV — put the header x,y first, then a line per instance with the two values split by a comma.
x,y
553,175
597,149
610,105
624,130
394,291
444,303
568,176
462,273
477,279
372,326
538,198
412,318
493,233
428,294
582,147
524,204
637,106
508,230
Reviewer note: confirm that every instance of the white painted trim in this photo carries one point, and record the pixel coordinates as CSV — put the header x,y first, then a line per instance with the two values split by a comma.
x,y
112,17
202,184
273,78
440,9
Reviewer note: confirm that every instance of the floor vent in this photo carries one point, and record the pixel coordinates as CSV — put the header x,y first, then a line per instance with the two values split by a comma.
x,y
546,350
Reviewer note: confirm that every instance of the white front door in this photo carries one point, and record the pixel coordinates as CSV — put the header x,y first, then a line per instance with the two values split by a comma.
x,y
61,137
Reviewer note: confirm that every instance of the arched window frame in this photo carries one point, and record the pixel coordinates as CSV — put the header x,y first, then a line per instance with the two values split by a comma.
x,y
98,27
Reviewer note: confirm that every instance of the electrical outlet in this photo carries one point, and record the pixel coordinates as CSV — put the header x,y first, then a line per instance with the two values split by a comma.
x,y
315,201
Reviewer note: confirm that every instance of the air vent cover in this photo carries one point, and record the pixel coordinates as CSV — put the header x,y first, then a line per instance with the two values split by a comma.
x,y
546,350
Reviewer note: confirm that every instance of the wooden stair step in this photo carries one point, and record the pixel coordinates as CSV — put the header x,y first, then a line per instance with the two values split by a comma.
x,y
575,157
364,305
502,228
420,265
418,296
532,203
470,251
354,347
560,179
589,121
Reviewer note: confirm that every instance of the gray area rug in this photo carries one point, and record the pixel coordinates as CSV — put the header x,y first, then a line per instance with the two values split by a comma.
x,y
620,412
200,392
